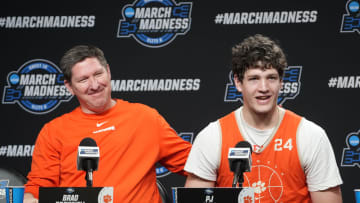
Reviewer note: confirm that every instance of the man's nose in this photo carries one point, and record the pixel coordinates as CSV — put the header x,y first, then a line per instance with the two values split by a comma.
x,y
263,86
94,84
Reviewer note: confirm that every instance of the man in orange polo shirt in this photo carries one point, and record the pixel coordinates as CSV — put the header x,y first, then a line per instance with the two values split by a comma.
x,y
132,137
293,160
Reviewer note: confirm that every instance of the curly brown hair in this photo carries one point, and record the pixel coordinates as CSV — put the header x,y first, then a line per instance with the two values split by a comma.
x,y
257,51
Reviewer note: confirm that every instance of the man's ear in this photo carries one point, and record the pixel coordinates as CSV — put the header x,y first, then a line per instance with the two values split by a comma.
x,y
237,82
68,86
108,70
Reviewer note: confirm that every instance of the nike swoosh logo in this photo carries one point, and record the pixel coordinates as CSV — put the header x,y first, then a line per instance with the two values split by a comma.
x,y
100,124
105,129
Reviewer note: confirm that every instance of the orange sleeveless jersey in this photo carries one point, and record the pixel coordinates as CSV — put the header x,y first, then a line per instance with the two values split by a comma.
x,y
276,174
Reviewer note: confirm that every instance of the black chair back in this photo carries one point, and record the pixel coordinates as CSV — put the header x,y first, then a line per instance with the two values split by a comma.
x,y
163,192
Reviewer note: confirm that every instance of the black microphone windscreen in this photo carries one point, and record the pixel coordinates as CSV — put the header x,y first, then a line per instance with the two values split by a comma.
x,y
88,142
244,144
88,155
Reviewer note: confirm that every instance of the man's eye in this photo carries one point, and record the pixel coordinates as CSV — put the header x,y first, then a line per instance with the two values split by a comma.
x,y
98,74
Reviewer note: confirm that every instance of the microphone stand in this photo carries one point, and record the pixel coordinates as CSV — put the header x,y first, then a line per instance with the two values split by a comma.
x,y
238,175
89,178
235,181
241,179
238,179
89,173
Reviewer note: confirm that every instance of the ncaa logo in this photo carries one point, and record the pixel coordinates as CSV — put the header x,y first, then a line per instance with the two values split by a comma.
x,y
155,23
161,171
351,20
37,86
351,154
70,190
290,87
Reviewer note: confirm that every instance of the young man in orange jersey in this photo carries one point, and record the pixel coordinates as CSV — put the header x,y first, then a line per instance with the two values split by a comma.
x,y
292,158
132,137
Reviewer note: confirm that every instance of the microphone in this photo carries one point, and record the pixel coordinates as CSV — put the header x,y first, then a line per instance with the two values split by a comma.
x,y
88,158
240,161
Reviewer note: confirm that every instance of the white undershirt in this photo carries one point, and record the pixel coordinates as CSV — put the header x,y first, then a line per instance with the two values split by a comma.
x,y
254,135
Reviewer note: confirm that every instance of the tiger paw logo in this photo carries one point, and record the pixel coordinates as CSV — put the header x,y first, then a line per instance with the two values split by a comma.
x,y
351,20
37,86
155,23
161,171
246,195
290,87
107,199
106,195
351,154
266,183
259,187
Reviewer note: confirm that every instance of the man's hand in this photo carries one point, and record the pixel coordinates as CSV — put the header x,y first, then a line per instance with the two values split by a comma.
x,y
29,198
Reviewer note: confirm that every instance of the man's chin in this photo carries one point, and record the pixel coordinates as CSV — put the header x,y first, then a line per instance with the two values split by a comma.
x,y
263,110
97,106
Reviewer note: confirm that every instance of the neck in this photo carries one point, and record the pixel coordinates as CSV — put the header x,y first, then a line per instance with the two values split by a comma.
x,y
261,121
100,110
